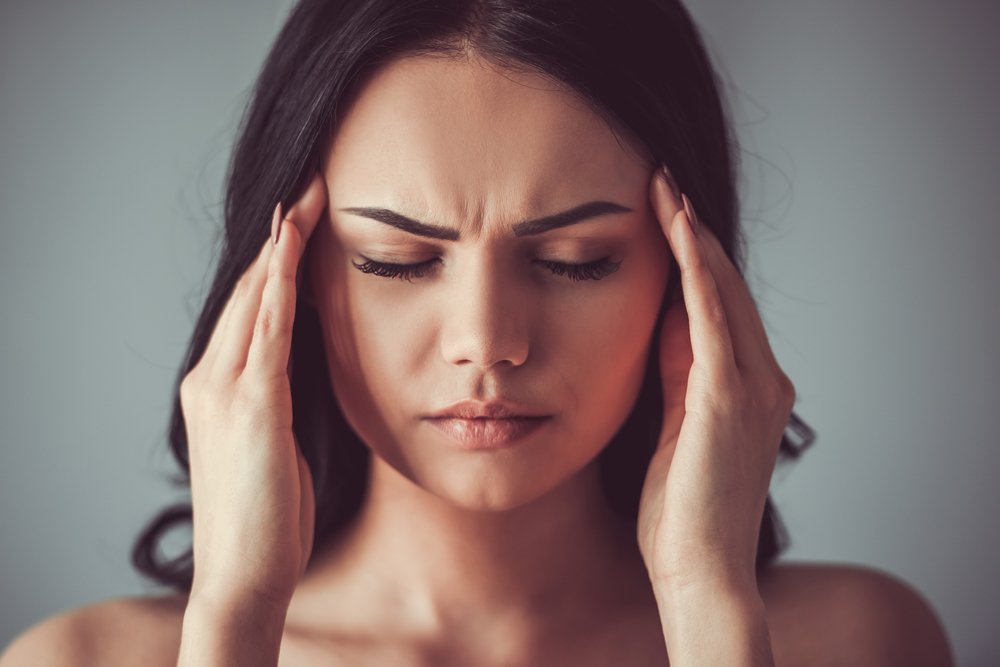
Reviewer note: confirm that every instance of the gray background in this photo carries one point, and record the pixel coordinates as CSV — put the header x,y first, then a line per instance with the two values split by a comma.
x,y
871,156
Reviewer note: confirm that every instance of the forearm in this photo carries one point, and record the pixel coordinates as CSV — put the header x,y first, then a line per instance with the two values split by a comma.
x,y
713,622
231,633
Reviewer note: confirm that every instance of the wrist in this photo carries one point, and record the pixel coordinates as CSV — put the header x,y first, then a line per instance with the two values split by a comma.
x,y
724,569
234,591
716,619
231,629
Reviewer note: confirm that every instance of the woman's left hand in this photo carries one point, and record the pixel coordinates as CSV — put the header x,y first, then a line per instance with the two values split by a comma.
x,y
726,404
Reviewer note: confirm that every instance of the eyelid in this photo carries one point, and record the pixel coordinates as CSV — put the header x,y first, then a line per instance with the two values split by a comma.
x,y
392,270
595,270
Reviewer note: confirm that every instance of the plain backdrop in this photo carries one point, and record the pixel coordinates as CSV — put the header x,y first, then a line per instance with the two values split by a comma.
x,y
871,156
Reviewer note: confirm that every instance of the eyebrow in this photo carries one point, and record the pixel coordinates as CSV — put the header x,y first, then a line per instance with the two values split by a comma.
x,y
406,224
574,215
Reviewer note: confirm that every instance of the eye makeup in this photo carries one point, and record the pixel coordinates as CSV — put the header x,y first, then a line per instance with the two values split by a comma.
x,y
601,268
596,270
405,272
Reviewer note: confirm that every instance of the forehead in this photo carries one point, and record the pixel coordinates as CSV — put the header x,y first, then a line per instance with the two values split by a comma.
x,y
447,137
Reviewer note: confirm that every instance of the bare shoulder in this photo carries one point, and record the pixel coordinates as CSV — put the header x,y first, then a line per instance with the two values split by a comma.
x,y
130,631
849,615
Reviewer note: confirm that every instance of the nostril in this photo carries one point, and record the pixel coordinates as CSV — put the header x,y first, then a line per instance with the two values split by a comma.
x,y
484,321
484,348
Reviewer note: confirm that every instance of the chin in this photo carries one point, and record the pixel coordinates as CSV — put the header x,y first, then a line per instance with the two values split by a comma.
x,y
497,481
488,496
420,464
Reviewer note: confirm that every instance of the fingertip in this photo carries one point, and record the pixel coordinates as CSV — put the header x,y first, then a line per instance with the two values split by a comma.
x,y
659,197
291,236
656,183
670,227
315,196
692,217
305,213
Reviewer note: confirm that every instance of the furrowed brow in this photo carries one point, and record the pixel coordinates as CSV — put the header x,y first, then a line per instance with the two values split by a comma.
x,y
566,218
573,216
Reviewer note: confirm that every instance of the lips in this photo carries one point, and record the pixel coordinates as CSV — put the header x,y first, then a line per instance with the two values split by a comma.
x,y
475,425
470,409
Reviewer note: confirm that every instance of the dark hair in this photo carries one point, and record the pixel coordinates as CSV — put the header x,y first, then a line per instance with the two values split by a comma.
x,y
639,63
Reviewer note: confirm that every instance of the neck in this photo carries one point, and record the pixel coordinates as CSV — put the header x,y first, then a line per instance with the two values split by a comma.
x,y
434,564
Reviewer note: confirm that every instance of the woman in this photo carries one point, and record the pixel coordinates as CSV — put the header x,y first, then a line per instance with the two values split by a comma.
x,y
450,402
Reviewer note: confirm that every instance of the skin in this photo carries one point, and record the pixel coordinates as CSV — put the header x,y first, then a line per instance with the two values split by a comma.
x,y
488,322
503,556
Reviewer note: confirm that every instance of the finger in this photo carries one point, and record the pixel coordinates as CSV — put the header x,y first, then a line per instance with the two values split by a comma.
x,y
710,341
272,333
676,359
305,213
235,324
241,299
307,508
675,341
746,328
232,357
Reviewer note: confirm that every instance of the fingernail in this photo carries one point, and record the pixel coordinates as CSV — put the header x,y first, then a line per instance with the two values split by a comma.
x,y
670,181
276,224
690,215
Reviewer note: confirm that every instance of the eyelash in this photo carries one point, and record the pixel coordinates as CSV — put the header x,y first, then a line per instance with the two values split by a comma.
x,y
595,270
601,268
402,271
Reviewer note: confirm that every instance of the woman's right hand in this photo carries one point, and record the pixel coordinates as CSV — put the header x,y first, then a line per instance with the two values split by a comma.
x,y
250,487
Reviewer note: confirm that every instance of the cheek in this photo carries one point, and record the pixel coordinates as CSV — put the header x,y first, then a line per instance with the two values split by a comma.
x,y
396,337
381,379
587,353
368,340
601,346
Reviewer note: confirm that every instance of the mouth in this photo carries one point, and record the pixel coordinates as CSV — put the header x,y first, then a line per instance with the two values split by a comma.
x,y
475,425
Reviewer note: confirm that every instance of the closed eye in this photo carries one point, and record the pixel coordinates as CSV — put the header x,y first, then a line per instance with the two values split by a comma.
x,y
595,270
401,271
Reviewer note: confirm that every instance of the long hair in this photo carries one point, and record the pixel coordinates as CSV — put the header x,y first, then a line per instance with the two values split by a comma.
x,y
640,64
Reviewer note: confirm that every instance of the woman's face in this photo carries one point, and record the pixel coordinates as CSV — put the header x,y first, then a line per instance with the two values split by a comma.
x,y
488,278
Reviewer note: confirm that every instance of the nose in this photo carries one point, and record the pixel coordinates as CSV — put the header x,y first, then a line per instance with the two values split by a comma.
x,y
485,320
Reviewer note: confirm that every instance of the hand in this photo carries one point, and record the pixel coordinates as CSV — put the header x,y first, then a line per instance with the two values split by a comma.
x,y
726,403
251,489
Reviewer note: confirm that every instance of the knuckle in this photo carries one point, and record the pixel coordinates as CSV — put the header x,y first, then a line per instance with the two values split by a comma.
x,y
777,392
729,379
722,389
246,393
270,323
253,406
787,390
190,387
204,394
715,313
251,393
267,323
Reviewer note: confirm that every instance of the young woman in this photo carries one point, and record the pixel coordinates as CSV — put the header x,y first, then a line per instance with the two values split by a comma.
x,y
475,384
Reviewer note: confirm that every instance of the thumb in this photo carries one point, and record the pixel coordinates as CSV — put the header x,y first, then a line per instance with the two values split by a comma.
x,y
676,359
307,508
